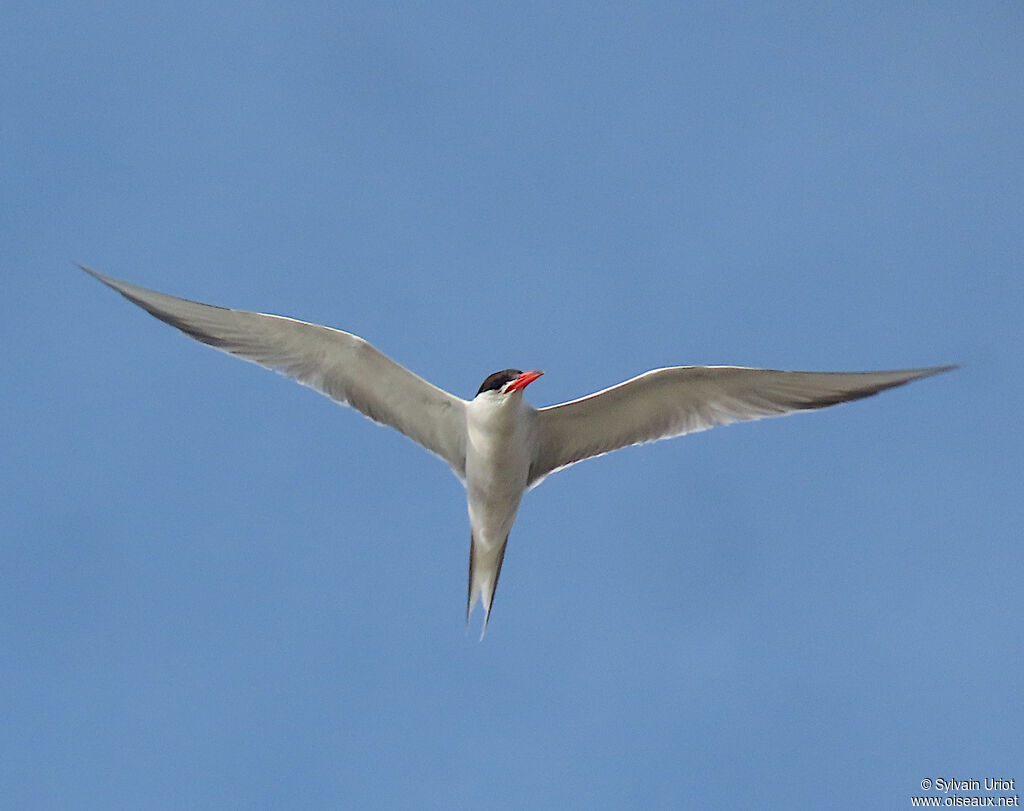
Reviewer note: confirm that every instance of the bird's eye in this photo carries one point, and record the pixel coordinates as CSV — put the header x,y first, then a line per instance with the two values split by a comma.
x,y
498,381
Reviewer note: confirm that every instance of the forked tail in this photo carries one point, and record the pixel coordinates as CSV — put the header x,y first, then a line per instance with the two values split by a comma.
x,y
484,571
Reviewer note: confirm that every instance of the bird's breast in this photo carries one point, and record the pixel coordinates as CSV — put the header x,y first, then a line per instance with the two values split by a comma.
x,y
498,459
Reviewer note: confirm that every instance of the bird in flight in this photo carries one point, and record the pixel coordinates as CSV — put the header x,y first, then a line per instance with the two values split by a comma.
x,y
498,444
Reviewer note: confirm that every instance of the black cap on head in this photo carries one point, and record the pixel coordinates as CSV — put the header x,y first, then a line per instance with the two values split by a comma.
x,y
498,379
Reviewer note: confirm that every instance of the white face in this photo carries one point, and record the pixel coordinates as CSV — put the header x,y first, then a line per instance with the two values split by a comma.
x,y
500,381
508,381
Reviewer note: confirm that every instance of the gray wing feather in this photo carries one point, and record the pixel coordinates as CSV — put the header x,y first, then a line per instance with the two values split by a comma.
x,y
338,364
680,400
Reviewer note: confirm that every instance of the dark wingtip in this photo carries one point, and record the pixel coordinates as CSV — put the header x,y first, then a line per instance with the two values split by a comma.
x,y
107,280
928,371
871,391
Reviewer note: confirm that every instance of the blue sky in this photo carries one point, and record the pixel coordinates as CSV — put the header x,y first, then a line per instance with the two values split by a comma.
x,y
221,590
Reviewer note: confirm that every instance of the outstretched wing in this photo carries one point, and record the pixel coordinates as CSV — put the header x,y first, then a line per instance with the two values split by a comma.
x,y
341,365
683,399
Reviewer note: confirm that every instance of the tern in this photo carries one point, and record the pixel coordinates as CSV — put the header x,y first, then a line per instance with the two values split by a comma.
x,y
497,444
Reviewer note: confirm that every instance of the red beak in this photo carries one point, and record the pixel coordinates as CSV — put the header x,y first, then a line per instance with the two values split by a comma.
x,y
524,380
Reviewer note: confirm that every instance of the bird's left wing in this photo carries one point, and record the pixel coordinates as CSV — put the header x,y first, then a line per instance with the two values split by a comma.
x,y
683,399
341,365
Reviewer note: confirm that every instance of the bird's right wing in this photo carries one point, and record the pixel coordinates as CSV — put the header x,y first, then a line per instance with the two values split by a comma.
x,y
341,365
682,399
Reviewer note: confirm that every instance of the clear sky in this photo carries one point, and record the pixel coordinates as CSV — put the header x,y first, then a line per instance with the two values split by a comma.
x,y
218,589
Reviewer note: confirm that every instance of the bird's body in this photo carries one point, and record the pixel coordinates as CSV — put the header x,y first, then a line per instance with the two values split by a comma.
x,y
497,444
500,434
